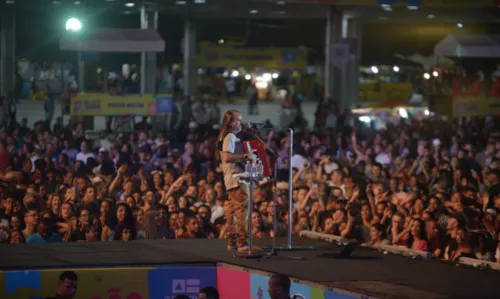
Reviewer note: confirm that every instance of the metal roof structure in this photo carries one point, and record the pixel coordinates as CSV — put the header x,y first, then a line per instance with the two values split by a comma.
x,y
367,10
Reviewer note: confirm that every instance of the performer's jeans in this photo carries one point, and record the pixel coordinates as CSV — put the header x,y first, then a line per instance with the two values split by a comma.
x,y
236,215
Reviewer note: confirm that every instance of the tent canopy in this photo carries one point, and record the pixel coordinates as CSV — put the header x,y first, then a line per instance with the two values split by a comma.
x,y
114,40
469,45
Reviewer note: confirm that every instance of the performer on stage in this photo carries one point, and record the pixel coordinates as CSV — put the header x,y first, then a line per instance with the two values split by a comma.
x,y
233,158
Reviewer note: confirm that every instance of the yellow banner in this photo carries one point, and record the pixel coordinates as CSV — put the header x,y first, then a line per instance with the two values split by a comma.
x,y
229,56
475,106
420,3
126,283
100,104
384,92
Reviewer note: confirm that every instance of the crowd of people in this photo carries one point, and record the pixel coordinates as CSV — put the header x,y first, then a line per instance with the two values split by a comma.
x,y
426,185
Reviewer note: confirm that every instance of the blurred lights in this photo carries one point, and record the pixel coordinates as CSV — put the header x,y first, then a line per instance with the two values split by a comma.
x,y
435,73
10,2
221,41
412,7
199,1
235,73
280,3
460,25
426,112
261,84
395,68
431,16
253,11
365,119
73,25
403,113
181,2
225,74
275,75
248,77
129,4
427,76
77,2
374,69
267,77
386,7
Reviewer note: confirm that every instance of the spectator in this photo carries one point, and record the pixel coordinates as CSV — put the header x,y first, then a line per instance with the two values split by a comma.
x,y
208,293
429,185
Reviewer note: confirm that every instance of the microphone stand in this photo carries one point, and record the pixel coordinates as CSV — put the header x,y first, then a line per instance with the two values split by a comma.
x,y
274,252
289,246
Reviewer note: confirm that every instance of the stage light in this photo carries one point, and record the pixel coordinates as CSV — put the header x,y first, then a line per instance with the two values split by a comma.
x,y
435,74
395,68
248,77
374,69
403,113
426,112
73,25
427,76
275,75
235,73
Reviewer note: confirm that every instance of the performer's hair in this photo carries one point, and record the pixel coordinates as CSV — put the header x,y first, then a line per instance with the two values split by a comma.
x,y
224,128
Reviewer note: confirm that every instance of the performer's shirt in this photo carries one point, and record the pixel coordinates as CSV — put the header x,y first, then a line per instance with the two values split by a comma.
x,y
232,144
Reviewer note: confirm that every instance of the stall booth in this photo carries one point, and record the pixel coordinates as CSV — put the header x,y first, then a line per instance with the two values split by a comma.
x,y
122,106
475,94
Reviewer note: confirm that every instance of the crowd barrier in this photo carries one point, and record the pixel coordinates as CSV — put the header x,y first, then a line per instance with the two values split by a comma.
x,y
159,283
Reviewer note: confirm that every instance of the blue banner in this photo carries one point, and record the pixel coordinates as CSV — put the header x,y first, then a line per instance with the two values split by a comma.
x,y
17,279
300,290
169,282
259,285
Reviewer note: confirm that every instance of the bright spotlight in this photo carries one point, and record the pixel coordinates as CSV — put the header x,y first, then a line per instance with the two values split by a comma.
x,y
275,75
365,119
435,73
395,68
403,113
267,77
374,69
426,112
73,25
248,77
235,73
427,76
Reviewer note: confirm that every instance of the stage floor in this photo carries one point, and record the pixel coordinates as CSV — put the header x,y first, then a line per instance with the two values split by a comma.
x,y
367,271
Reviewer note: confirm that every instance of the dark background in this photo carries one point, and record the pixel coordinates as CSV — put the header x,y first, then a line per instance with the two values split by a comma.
x,y
38,33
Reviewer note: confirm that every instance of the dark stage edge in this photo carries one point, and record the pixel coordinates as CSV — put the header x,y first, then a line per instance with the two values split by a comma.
x,y
367,271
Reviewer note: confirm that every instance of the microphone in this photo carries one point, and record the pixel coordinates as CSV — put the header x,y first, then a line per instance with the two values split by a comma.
x,y
256,126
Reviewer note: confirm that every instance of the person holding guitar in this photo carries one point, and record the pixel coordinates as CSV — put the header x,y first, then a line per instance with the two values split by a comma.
x,y
233,158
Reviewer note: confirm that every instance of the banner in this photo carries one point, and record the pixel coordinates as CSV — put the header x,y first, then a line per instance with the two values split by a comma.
x,y
384,92
100,104
125,283
166,283
475,106
229,56
340,54
233,283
